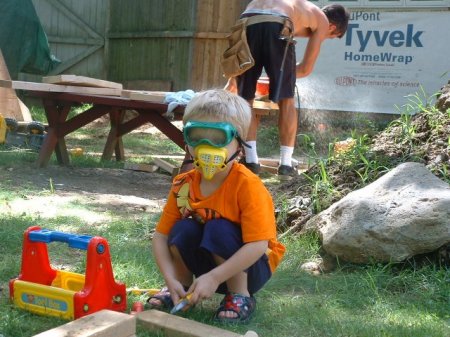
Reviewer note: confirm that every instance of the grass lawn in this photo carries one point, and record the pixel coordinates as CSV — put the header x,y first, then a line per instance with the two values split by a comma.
x,y
368,300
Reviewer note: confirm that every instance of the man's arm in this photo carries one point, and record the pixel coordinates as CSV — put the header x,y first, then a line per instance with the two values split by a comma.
x,y
231,85
316,29
306,66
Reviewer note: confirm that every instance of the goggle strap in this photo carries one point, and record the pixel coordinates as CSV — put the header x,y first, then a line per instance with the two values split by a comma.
x,y
242,142
187,161
232,157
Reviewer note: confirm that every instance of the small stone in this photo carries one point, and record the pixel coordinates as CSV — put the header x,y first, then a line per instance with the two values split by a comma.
x,y
311,267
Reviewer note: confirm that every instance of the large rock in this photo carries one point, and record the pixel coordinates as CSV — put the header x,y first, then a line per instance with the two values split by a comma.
x,y
404,213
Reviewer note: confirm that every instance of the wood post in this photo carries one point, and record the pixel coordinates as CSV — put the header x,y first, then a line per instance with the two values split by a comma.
x,y
175,326
104,323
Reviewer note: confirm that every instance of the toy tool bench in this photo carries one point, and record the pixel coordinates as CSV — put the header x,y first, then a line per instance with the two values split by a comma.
x,y
42,289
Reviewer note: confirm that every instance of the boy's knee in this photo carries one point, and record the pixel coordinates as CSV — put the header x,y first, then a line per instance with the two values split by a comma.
x,y
222,234
186,232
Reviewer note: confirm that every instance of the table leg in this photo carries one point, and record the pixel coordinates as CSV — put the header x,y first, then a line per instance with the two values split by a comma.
x,y
114,142
171,131
163,124
54,141
47,148
61,152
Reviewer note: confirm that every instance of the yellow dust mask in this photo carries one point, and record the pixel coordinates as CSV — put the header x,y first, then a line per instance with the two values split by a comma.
x,y
210,159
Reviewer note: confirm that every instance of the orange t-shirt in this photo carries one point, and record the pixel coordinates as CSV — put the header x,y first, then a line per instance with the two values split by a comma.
x,y
242,199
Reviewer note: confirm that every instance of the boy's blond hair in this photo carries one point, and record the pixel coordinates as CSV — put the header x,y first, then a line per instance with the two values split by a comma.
x,y
218,105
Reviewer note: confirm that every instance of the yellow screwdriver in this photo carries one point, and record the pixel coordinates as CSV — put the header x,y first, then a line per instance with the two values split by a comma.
x,y
183,304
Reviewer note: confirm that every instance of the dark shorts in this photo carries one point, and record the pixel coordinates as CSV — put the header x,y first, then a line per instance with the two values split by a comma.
x,y
197,242
267,49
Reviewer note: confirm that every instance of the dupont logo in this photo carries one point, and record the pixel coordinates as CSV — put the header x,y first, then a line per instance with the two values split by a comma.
x,y
345,81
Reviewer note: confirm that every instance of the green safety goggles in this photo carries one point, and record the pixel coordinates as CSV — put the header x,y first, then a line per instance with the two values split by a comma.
x,y
217,134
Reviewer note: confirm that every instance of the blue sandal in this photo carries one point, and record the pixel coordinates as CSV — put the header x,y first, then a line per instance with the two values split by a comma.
x,y
164,298
242,305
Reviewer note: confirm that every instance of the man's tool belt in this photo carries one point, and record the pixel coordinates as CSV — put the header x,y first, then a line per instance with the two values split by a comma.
x,y
237,59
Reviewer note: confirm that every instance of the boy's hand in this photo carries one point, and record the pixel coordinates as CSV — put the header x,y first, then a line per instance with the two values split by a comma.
x,y
176,290
203,287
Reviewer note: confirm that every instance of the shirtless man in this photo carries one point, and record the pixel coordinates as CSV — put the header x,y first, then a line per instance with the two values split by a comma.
x,y
307,21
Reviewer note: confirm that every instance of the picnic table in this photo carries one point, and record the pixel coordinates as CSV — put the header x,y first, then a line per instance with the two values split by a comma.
x,y
107,99
58,101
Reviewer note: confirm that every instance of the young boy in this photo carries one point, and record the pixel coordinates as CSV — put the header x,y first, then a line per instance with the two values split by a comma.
x,y
217,232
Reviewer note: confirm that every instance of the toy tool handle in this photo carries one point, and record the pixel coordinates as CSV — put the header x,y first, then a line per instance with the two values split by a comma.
x,y
47,236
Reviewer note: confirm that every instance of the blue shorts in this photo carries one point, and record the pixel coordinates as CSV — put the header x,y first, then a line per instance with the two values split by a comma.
x,y
267,49
196,244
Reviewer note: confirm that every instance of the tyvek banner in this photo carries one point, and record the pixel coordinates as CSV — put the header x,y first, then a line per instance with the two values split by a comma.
x,y
383,57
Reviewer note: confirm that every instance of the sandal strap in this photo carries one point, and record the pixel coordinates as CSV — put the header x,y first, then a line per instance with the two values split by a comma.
x,y
240,304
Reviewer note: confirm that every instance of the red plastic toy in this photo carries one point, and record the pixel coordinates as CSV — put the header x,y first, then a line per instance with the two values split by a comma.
x,y
44,290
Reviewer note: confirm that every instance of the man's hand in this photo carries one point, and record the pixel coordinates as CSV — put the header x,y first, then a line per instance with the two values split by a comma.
x,y
231,85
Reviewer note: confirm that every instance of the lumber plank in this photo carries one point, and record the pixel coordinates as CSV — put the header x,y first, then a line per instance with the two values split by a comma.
x,y
151,96
104,323
81,81
265,108
176,326
34,86
271,165
140,167
166,166
11,105
270,169
269,162
265,105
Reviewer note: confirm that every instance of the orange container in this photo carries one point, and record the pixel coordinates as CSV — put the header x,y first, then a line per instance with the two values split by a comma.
x,y
262,86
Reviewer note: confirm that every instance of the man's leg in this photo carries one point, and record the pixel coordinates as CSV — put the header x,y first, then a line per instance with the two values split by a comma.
x,y
252,130
287,118
251,154
287,127
287,122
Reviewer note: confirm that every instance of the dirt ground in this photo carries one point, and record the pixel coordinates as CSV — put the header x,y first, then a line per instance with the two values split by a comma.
x,y
146,192
104,189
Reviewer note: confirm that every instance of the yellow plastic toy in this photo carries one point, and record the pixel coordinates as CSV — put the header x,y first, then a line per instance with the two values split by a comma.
x,y
2,129
43,290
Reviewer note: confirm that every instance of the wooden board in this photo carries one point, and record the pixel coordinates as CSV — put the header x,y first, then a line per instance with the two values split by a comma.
x,y
271,165
269,162
166,166
175,326
140,167
265,107
34,86
151,96
104,323
270,169
10,105
81,81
